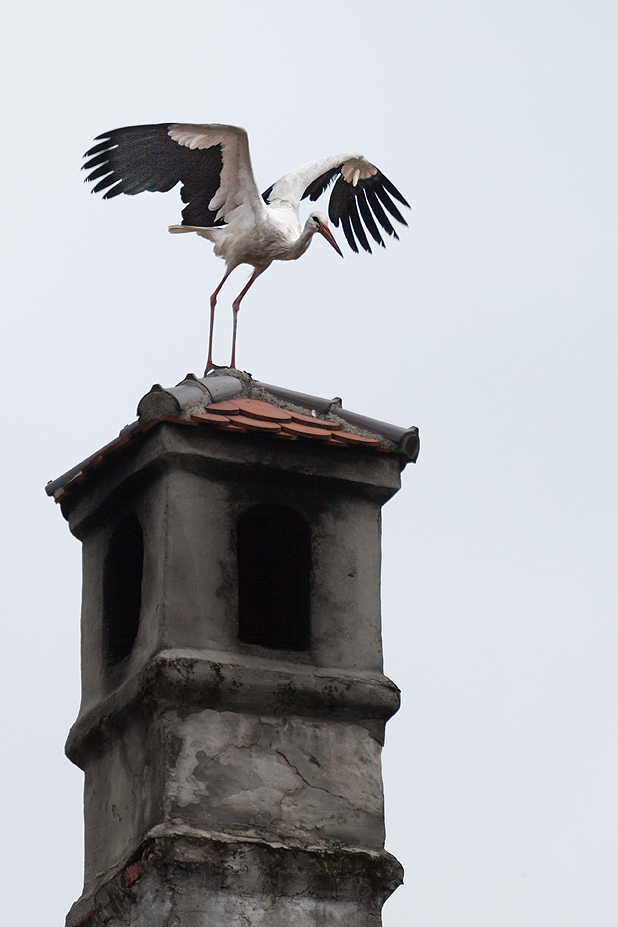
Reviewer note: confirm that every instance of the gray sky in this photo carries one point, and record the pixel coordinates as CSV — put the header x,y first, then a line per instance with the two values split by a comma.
x,y
491,325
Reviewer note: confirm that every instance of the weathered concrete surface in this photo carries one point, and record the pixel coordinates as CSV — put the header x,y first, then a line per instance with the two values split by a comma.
x,y
298,774
190,574
297,780
301,781
229,784
196,880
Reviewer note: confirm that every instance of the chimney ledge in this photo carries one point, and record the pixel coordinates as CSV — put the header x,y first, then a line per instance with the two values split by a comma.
x,y
208,679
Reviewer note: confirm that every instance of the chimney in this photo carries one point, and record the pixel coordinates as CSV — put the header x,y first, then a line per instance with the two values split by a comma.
x,y
233,700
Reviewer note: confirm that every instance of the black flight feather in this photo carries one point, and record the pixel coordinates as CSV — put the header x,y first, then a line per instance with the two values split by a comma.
x,y
135,159
376,208
358,206
347,231
317,187
358,226
339,201
390,205
368,218
392,189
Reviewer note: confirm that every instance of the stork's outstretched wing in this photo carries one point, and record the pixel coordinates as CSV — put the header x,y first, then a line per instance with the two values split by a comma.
x,y
210,161
359,198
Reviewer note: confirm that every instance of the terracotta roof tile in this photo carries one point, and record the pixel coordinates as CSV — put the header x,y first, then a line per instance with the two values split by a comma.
x,y
312,421
348,438
246,414
233,427
257,408
225,407
256,424
304,431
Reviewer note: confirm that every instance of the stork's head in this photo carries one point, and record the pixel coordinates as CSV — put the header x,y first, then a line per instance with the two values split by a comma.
x,y
318,222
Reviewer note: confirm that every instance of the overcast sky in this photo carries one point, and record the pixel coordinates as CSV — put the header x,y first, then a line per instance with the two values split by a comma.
x,y
491,325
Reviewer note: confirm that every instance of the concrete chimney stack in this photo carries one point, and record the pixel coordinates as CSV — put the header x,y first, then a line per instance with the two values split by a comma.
x,y
234,703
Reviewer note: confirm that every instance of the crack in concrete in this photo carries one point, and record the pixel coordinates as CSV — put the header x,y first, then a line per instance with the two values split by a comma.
x,y
261,740
210,758
317,788
299,774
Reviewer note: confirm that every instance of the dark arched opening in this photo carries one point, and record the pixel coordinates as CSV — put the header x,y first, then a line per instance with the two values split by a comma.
x,y
122,590
274,571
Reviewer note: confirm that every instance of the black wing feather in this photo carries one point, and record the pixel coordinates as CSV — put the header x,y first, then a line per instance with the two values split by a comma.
x,y
390,205
100,158
135,159
368,218
347,231
106,182
318,186
358,206
338,205
357,225
392,189
102,146
100,171
199,186
376,206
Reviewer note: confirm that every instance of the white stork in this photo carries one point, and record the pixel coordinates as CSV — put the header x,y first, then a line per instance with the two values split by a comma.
x,y
223,203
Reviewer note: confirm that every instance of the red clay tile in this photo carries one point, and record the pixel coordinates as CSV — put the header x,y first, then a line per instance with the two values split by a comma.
x,y
210,419
304,431
224,407
347,438
256,424
311,421
336,441
232,427
257,408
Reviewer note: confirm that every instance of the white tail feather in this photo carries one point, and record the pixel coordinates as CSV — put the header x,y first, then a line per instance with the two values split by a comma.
x,y
174,229
210,234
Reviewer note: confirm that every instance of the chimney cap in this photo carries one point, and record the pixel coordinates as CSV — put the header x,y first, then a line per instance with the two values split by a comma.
x,y
231,400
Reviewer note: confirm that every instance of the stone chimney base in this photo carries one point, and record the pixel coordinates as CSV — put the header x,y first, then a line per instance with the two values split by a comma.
x,y
205,881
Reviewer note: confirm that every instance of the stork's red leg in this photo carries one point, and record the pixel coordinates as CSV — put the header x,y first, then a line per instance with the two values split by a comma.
x,y
236,306
213,303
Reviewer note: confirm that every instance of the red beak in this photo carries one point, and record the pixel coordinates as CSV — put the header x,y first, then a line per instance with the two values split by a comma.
x,y
328,235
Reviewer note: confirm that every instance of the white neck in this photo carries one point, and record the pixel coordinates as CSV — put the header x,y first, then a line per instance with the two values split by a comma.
x,y
303,241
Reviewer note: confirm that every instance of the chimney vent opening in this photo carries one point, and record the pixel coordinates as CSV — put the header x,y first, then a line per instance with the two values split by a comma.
x,y
122,590
274,573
